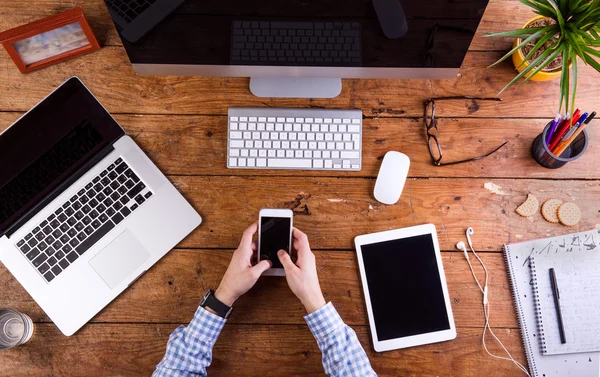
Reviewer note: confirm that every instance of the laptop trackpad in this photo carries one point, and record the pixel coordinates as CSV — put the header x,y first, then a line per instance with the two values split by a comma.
x,y
119,259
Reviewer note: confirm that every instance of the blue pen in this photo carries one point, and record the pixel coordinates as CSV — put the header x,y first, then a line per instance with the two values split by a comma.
x,y
555,123
580,121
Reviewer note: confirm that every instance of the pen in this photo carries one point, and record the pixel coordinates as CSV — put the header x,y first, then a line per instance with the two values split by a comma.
x,y
561,148
580,121
561,131
556,294
555,123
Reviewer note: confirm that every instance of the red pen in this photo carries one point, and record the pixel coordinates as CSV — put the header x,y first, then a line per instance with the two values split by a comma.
x,y
562,130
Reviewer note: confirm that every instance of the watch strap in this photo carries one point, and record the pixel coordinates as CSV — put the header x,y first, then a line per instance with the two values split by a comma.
x,y
217,306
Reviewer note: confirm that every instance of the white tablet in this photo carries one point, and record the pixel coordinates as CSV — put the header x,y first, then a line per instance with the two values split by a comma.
x,y
405,288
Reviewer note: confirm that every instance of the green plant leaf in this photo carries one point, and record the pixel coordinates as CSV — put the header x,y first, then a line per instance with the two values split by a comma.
x,y
542,9
536,47
519,33
576,46
529,68
559,16
564,78
541,66
523,43
573,81
593,63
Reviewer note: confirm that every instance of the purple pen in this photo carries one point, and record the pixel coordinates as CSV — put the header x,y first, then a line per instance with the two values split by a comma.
x,y
555,123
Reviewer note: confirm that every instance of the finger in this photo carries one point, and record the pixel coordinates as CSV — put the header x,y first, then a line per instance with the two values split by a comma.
x,y
262,266
248,234
254,246
286,261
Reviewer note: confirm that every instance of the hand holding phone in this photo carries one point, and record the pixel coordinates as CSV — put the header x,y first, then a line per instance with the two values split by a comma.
x,y
274,234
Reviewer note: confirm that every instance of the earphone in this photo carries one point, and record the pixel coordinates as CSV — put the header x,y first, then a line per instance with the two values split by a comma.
x,y
486,304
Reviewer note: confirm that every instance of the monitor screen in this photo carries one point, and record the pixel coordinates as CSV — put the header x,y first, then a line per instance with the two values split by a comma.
x,y
405,287
313,33
47,145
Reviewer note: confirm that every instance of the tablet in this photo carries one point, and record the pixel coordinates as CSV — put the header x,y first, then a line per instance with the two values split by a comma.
x,y
405,288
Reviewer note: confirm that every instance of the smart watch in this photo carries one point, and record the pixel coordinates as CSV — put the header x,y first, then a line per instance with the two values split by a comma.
x,y
209,300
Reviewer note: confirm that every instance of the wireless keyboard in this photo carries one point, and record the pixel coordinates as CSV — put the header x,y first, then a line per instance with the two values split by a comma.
x,y
296,139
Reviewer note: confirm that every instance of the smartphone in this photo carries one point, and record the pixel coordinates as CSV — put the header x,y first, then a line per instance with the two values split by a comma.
x,y
274,234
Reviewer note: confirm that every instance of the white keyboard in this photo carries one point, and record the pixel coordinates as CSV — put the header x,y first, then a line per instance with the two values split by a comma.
x,y
296,139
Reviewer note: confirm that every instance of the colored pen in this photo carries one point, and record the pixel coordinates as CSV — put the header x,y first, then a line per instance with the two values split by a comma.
x,y
580,129
579,122
556,294
563,123
562,131
553,128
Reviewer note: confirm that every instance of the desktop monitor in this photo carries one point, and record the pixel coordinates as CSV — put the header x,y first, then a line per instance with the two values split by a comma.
x,y
298,48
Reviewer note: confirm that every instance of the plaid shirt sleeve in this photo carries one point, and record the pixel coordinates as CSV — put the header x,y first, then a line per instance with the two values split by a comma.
x,y
343,356
189,350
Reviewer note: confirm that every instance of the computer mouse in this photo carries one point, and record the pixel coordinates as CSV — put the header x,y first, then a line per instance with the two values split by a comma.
x,y
391,178
391,18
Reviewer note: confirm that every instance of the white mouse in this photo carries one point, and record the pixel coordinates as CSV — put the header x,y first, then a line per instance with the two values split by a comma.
x,y
391,178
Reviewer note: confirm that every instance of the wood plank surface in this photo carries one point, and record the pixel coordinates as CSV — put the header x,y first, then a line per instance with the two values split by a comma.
x,y
181,123
179,281
243,350
332,211
196,145
110,77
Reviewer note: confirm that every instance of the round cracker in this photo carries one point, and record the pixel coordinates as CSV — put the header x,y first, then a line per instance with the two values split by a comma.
x,y
529,207
550,210
569,214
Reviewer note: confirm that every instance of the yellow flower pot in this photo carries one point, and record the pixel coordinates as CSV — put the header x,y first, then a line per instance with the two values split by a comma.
x,y
518,58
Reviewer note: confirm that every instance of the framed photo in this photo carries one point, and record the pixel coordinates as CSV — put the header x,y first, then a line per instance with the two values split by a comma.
x,y
50,40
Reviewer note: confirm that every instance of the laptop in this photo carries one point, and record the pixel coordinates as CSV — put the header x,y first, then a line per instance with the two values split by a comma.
x,y
83,211
135,18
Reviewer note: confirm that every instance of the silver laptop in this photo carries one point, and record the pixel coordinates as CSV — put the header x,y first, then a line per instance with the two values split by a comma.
x,y
83,211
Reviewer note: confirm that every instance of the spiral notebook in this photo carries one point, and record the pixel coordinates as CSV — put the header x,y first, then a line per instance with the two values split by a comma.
x,y
517,257
578,280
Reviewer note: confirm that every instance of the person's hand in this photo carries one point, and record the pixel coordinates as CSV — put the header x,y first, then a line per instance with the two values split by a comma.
x,y
302,276
241,275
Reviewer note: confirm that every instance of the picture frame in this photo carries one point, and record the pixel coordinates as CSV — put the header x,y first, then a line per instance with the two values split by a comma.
x,y
50,40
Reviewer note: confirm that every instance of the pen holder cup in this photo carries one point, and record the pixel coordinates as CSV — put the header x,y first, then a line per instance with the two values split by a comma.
x,y
543,156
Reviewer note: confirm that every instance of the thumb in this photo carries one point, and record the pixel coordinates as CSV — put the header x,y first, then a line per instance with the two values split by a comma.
x,y
285,260
262,266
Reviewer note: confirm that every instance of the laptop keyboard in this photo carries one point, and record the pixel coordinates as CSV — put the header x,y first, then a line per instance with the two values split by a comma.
x,y
83,220
129,9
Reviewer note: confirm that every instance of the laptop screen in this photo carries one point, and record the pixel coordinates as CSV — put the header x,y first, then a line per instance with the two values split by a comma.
x,y
47,145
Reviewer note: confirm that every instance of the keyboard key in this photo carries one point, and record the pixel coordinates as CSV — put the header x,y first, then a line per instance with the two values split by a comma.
x,y
81,236
134,207
51,261
140,199
42,246
103,217
94,214
50,250
64,263
48,276
39,260
101,208
54,224
56,270
25,248
71,257
96,224
88,230
22,242
148,194
38,237
289,163
33,253
125,211
79,226
74,242
95,237
67,249
136,190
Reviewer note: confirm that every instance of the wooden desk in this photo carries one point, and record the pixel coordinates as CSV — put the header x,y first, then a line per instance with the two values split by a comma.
x,y
181,123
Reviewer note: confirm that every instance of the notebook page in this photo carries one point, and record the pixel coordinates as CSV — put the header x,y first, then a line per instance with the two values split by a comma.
x,y
578,279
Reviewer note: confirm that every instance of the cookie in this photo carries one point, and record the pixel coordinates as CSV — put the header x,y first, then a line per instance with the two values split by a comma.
x,y
550,210
569,214
529,207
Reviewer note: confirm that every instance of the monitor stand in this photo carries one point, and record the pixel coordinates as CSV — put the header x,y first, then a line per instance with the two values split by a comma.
x,y
295,87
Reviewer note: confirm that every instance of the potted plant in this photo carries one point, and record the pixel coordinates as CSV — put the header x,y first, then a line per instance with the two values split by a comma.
x,y
549,44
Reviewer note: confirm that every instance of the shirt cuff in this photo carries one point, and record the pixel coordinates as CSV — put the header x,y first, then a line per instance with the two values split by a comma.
x,y
206,324
323,321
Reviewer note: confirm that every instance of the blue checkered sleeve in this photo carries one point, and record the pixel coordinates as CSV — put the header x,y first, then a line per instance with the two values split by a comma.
x,y
343,356
189,350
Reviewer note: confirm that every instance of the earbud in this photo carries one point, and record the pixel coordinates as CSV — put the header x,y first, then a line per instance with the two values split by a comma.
x,y
470,232
461,246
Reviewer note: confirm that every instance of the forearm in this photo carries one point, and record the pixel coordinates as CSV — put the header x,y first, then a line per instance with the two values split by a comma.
x,y
189,350
343,354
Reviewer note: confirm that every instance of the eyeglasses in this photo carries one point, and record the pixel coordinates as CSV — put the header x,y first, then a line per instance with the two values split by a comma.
x,y
435,149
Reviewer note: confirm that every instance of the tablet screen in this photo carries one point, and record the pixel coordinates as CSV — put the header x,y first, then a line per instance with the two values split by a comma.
x,y
405,287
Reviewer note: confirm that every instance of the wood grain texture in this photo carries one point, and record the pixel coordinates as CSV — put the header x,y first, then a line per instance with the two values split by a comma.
x,y
196,145
243,350
171,291
332,211
111,78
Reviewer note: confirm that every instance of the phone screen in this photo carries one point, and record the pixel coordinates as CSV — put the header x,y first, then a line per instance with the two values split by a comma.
x,y
274,236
